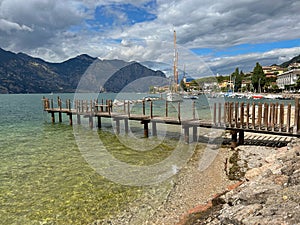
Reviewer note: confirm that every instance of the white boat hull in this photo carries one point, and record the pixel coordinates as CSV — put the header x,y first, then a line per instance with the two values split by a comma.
x,y
174,97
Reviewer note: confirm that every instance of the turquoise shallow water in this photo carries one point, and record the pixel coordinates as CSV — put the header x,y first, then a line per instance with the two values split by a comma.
x,y
44,175
51,173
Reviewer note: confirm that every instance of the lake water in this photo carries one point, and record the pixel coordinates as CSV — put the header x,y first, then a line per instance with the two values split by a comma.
x,y
58,174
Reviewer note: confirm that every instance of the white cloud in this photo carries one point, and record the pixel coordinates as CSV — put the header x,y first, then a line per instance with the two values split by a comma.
x,y
8,26
56,30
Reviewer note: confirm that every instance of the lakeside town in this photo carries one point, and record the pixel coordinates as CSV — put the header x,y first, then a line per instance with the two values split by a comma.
x,y
272,82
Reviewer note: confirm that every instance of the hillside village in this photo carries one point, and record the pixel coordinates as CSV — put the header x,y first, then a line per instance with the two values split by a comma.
x,y
263,79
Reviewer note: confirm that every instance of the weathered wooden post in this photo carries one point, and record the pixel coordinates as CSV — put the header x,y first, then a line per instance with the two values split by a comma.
x,y
91,122
253,115
179,116
99,124
215,114
242,114
281,117
241,137
259,115
128,109
236,115
297,118
186,130
166,108
146,129
151,109
154,129
70,119
52,117
220,113
59,106
194,110
233,138
195,136
144,108
117,125
126,126
248,114
288,118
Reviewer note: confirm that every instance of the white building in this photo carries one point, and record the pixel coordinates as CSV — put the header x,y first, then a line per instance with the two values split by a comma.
x,y
287,78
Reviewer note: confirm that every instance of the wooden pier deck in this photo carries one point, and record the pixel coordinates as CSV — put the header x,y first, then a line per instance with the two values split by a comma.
x,y
273,119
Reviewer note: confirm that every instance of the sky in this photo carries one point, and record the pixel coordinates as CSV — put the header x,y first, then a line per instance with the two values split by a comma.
x,y
212,37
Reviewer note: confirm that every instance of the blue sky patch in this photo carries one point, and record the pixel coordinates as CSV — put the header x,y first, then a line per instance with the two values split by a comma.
x,y
107,16
248,48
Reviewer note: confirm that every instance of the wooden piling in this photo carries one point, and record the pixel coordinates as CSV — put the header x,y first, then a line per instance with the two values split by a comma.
x,y
253,115
215,114
195,135
220,113
154,129
297,118
91,122
186,134
166,109
146,128
281,117
236,115
179,116
144,108
259,115
126,126
117,125
99,124
242,115
288,118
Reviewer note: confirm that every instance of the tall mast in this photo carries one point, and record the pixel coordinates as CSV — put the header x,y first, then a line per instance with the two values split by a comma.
x,y
175,62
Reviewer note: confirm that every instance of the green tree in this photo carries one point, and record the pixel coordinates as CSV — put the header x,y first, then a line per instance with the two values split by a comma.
x,y
238,78
258,77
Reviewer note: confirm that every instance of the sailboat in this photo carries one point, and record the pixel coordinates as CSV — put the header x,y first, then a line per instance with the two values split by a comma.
x,y
173,95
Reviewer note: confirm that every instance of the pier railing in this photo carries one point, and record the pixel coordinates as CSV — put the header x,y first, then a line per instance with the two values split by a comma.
x,y
270,118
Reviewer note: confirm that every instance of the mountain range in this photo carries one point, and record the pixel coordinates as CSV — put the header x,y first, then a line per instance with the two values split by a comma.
x,y
21,73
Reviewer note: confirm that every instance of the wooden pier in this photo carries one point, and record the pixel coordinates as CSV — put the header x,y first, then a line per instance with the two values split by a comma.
x,y
267,118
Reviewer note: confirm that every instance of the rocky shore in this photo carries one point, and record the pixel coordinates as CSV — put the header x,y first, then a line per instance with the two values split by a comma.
x,y
269,191
245,185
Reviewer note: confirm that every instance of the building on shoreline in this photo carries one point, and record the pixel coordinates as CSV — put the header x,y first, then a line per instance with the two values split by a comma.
x,y
288,78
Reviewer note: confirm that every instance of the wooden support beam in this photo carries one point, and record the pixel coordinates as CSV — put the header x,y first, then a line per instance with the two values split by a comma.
x,y
215,114
117,126
144,108
146,128
91,122
220,113
259,115
248,114
281,117
99,123
126,126
242,114
297,117
195,135
52,117
241,137
179,116
78,119
186,130
154,129
151,109
253,115
236,115
60,117
288,118
194,110
166,108
70,119
234,139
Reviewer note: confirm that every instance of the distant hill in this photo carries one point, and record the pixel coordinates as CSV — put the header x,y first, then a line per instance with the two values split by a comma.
x,y
21,73
296,59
